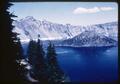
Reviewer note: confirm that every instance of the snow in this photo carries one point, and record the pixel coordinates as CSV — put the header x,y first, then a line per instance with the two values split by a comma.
x,y
23,62
30,78
28,67
30,28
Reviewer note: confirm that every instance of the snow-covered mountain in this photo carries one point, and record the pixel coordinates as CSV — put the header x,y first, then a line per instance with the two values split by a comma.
x,y
107,29
29,28
88,38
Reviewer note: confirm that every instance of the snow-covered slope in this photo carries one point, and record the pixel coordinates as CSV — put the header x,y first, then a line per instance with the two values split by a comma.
x,y
89,38
29,28
107,29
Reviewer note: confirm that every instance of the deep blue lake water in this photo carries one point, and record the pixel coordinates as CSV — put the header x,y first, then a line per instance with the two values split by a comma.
x,y
89,64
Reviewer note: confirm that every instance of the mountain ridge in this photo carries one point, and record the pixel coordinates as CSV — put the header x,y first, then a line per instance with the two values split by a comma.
x,y
29,28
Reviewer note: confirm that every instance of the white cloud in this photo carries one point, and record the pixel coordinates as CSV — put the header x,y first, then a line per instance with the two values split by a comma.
x,y
81,10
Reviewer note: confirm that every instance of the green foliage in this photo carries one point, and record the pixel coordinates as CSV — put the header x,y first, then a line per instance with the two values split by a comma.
x,y
40,65
32,52
55,73
51,55
12,52
36,59
46,71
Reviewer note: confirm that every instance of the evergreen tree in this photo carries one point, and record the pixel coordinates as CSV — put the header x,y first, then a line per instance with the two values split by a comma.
x,y
21,68
40,65
20,54
10,47
37,61
32,52
55,73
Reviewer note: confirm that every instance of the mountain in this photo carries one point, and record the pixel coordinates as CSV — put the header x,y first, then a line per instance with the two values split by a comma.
x,y
29,28
88,38
91,35
108,29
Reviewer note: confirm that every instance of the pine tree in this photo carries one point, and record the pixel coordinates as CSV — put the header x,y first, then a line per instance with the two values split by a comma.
x,y
55,73
40,65
37,61
32,52
10,47
21,52
20,56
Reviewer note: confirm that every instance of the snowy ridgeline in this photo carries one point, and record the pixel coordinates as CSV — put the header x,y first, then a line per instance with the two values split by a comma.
x,y
67,35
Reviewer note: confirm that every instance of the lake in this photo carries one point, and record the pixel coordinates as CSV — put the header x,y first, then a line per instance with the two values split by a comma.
x,y
88,64
93,64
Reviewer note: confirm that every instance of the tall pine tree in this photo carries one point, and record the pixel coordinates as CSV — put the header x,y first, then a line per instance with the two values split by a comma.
x,y
32,52
37,61
40,64
56,75
10,47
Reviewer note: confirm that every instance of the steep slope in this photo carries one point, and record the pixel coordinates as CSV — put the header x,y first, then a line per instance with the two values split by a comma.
x,y
47,30
89,38
107,29
92,35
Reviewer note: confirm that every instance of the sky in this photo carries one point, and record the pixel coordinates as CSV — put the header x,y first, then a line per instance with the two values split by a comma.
x,y
75,13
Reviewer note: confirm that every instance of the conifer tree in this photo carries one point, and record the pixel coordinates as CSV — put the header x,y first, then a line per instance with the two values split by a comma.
x,y
10,47
55,73
37,61
32,52
19,58
40,65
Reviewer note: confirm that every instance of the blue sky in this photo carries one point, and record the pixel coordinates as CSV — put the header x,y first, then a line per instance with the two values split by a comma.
x,y
75,13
